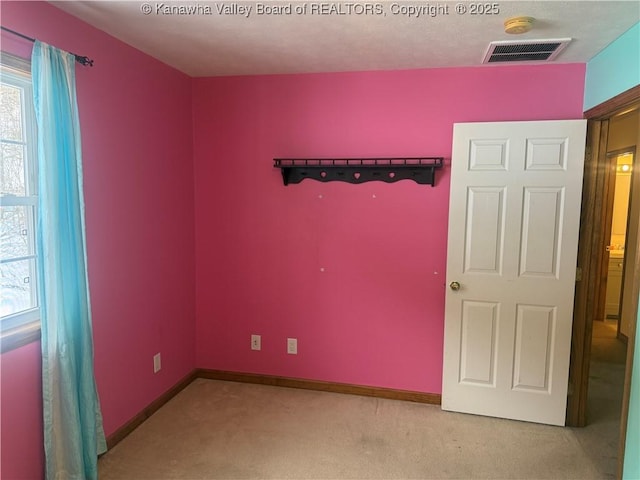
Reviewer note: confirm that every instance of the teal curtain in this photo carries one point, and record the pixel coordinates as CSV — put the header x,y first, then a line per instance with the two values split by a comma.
x,y
73,432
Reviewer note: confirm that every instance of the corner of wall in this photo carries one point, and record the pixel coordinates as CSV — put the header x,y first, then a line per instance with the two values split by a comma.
x,y
622,57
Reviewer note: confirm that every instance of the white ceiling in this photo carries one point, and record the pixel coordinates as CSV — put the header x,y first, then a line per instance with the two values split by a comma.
x,y
218,44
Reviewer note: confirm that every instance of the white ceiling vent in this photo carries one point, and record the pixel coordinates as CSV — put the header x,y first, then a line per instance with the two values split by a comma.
x,y
525,50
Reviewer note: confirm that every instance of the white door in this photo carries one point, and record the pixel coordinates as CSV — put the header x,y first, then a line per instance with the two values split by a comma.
x,y
514,216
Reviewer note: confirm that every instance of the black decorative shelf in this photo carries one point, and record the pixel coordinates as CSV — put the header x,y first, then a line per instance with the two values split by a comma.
x,y
359,170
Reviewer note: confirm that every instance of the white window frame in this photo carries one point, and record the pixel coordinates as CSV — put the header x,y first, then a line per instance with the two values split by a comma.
x,y
23,327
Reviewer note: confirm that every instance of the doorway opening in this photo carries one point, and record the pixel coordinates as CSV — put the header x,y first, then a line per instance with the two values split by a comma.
x,y
609,333
610,310
592,330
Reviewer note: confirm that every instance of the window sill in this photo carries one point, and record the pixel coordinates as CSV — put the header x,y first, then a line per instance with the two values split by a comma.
x,y
20,336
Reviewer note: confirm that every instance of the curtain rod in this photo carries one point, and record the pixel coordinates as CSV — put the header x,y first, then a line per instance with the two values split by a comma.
x,y
82,60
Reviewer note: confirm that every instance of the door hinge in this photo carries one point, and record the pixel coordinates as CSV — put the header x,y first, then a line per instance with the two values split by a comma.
x,y
578,274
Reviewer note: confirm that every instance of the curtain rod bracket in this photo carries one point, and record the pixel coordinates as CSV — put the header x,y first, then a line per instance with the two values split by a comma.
x,y
84,61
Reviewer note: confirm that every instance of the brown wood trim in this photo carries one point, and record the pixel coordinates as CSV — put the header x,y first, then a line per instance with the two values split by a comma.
x,y
605,219
578,334
153,407
590,244
620,101
600,165
378,392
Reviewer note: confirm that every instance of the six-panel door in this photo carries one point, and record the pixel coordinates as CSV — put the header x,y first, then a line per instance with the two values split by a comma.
x,y
513,235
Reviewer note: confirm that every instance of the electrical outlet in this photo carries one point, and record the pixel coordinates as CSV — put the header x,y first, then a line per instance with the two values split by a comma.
x,y
157,363
292,346
256,342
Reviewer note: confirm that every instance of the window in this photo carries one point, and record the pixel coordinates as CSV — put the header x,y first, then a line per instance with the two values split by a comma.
x,y
19,313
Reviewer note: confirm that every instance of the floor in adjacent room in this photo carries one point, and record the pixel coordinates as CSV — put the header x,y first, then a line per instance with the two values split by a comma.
x,y
226,430
601,437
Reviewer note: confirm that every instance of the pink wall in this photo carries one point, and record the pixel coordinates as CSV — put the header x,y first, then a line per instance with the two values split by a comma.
x,y
137,146
21,414
374,316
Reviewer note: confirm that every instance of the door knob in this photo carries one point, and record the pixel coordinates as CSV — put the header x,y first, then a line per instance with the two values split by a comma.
x,y
455,286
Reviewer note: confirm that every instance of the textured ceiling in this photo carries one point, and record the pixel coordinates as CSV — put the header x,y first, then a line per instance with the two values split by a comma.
x,y
236,38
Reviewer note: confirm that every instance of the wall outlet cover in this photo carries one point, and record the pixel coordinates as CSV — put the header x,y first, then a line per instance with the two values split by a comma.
x,y
157,363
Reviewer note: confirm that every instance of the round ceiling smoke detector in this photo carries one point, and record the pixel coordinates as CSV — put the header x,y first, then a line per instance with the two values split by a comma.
x,y
516,25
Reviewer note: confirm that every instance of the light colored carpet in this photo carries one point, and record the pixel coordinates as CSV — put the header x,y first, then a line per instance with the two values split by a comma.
x,y
605,346
226,430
